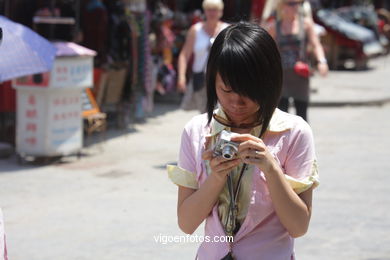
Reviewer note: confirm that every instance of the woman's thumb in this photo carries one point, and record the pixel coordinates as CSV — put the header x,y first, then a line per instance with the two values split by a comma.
x,y
207,155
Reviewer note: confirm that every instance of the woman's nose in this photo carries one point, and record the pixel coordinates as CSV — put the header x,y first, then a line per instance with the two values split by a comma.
x,y
237,100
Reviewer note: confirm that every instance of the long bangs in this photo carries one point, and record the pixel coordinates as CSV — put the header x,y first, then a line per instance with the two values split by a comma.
x,y
239,67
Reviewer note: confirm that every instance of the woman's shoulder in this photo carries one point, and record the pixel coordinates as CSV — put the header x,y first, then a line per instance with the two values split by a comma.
x,y
197,26
197,124
193,29
308,22
285,121
224,25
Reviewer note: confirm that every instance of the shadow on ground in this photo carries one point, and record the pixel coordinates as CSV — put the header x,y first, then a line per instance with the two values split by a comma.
x,y
16,162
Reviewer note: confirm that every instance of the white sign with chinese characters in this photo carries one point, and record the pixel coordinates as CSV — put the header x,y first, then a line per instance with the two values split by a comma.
x,y
67,72
72,72
49,121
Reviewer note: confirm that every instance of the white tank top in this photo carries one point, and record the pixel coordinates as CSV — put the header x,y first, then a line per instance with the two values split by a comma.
x,y
202,46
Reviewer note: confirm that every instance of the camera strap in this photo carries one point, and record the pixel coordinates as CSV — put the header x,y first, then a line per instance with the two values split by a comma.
x,y
233,209
227,123
234,226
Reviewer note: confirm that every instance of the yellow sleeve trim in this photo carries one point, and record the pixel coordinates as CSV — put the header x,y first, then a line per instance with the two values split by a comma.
x,y
300,186
182,177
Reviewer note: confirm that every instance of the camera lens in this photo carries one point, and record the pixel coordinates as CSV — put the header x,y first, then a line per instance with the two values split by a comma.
x,y
229,151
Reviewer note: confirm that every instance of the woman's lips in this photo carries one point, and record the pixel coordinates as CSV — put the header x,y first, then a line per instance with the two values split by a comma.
x,y
237,113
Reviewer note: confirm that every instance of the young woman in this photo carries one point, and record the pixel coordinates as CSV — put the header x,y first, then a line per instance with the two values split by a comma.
x,y
263,195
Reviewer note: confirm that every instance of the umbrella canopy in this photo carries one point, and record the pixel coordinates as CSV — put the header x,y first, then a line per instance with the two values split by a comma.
x,y
23,52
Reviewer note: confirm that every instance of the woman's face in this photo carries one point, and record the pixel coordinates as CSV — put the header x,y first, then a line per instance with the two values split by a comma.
x,y
213,14
291,6
239,109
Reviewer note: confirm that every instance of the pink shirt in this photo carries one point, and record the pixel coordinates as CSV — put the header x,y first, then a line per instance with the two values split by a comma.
x,y
3,248
261,236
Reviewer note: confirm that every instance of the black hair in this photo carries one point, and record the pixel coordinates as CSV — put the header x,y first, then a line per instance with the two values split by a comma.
x,y
248,61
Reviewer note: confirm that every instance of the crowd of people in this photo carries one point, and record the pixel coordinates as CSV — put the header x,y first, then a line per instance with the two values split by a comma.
x,y
293,30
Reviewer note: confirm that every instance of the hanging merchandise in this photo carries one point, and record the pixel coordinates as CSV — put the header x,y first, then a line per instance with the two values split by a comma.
x,y
137,6
149,87
139,19
119,37
166,78
94,26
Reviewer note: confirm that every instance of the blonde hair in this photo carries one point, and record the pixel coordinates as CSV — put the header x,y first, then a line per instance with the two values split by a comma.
x,y
304,10
212,4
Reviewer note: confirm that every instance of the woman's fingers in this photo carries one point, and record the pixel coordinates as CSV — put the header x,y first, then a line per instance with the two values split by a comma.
x,y
221,165
251,160
244,137
227,166
251,153
207,155
248,141
251,145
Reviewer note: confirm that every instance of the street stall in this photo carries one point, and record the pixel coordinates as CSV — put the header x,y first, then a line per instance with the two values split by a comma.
x,y
347,41
49,106
24,52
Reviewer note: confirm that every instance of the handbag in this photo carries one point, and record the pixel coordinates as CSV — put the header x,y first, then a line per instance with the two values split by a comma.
x,y
302,69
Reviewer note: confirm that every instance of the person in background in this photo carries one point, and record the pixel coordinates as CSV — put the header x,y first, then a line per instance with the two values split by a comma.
x,y
198,42
260,191
292,31
165,42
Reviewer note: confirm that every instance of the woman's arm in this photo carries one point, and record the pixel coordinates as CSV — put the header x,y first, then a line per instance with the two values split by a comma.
x,y
184,56
322,65
293,210
195,205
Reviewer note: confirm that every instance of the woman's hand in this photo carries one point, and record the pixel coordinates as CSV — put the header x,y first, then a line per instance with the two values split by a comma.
x,y
323,69
181,84
220,166
252,150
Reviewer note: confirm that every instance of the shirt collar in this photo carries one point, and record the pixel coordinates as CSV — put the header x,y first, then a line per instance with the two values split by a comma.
x,y
278,123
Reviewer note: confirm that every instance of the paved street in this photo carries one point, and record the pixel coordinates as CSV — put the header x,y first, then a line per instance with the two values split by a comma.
x,y
112,204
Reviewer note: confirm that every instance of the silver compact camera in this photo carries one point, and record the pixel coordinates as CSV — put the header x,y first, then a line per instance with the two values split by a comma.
x,y
225,147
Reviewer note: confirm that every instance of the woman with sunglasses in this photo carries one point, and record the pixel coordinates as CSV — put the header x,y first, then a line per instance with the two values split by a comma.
x,y
261,197
293,31
198,42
